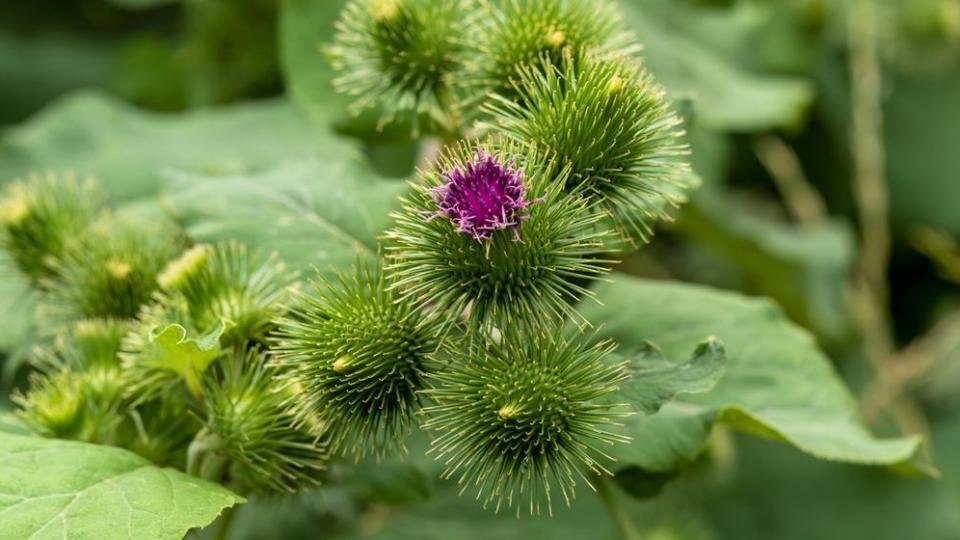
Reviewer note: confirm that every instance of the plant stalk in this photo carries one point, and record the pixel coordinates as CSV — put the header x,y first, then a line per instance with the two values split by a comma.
x,y
609,497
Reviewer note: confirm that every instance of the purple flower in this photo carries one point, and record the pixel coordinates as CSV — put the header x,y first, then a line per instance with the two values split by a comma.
x,y
483,196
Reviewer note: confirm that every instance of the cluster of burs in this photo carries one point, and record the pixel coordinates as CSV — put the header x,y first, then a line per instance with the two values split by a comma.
x,y
219,360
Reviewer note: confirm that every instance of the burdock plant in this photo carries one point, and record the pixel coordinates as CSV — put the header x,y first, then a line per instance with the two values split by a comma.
x,y
465,324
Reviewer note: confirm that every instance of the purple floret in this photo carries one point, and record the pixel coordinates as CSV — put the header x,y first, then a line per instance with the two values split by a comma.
x,y
483,196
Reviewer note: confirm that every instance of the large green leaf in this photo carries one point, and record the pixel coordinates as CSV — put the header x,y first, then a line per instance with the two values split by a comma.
x,y
306,28
74,491
128,149
313,213
804,268
654,380
777,383
725,96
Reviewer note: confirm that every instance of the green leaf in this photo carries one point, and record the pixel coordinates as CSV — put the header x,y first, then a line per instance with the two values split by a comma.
x,y
777,383
172,350
306,28
772,486
313,213
725,96
643,484
68,490
11,423
39,65
17,304
804,268
129,149
655,380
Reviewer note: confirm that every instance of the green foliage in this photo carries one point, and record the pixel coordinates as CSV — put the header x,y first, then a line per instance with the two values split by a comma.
x,y
526,276
130,150
37,216
776,385
57,489
361,352
454,307
605,119
323,213
398,55
252,421
521,415
681,49
160,356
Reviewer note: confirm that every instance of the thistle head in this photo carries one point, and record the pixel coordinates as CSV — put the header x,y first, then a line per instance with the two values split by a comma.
x,y
77,390
254,426
109,271
483,195
359,352
65,404
85,345
511,36
604,118
39,216
228,282
397,55
519,416
492,229
55,405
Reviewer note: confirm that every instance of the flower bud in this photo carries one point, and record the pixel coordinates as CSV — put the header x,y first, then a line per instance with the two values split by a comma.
x,y
398,54
604,118
519,417
253,424
523,34
360,353
110,271
228,282
39,216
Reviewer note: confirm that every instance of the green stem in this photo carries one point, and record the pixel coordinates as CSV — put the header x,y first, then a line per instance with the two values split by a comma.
x,y
609,497
203,459
226,520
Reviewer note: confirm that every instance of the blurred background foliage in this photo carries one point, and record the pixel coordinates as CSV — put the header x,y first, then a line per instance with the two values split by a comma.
x,y
794,109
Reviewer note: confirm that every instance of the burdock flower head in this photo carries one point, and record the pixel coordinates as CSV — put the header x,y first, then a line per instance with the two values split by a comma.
x,y
482,196
455,242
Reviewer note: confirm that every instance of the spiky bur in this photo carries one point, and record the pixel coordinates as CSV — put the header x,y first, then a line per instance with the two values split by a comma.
x,y
518,34
398,54
360,353
77,392
110,271
491,230
40,215
521,417
253,434
228,282
605,118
